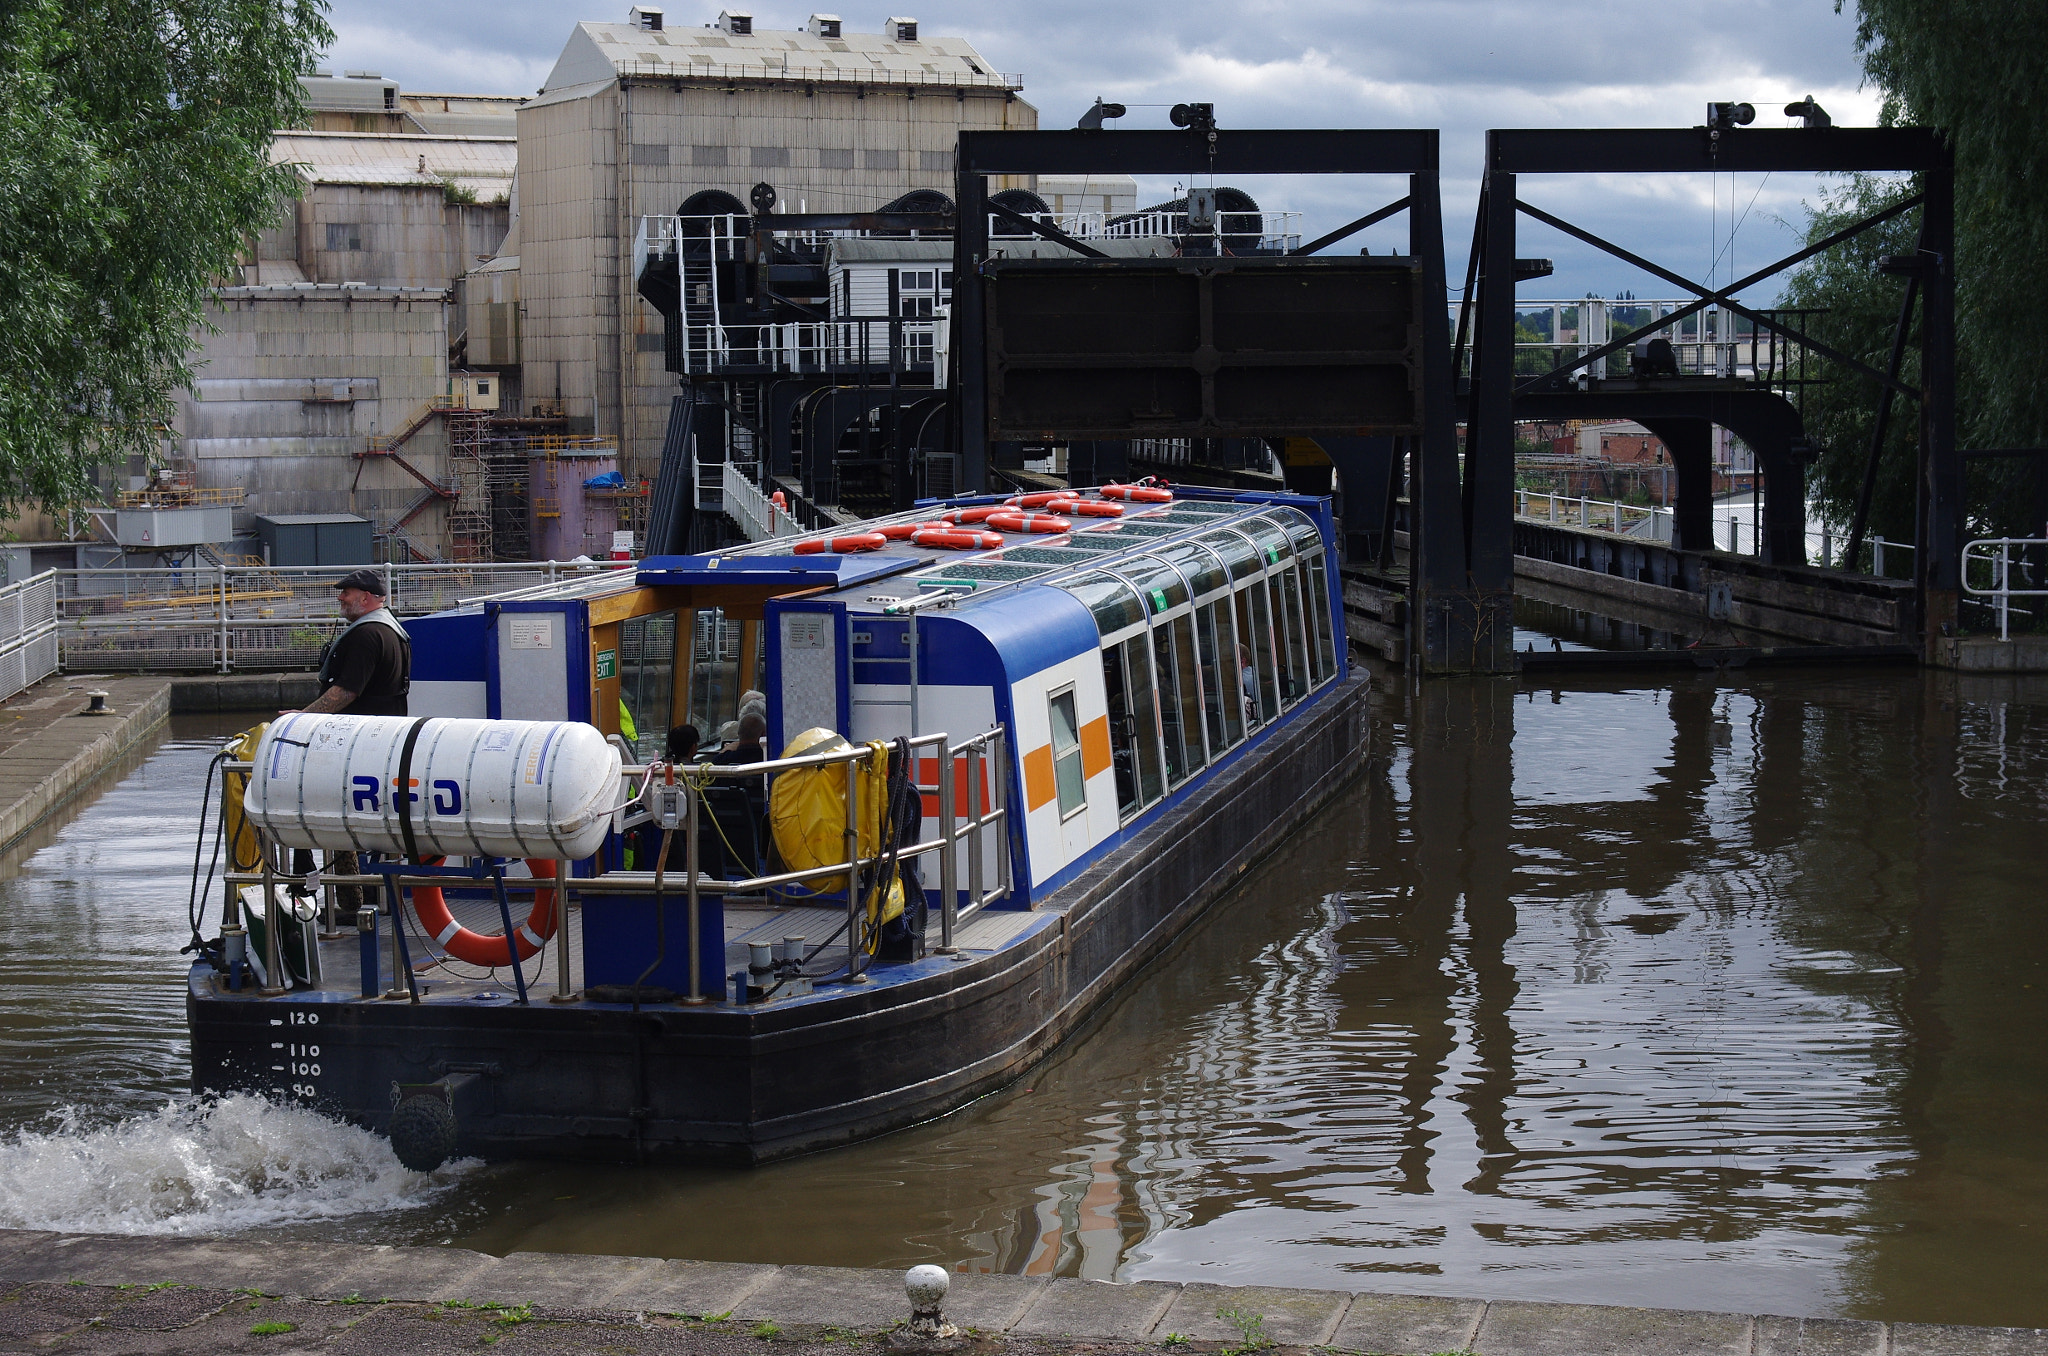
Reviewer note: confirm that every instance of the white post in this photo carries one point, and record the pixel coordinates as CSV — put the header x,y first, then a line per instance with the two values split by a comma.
x,y
1877,555
2004,593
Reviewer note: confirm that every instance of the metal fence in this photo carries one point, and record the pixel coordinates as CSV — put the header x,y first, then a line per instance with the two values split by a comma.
x,y
251,618
759,516
2002,569
28,632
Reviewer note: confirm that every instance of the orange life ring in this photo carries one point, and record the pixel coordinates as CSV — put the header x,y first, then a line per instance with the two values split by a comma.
x,y
1037,498
857,541
905,531
1030,522
777,500
1144,494
970,515
1094,508
476,948
958,539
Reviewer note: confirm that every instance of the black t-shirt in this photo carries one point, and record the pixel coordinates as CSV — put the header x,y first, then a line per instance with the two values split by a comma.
x,y
375,663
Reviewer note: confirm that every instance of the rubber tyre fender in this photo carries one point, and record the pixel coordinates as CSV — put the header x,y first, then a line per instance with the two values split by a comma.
x,y
423,1132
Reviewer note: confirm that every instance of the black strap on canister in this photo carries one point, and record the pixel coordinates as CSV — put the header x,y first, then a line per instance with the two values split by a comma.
x,y
402,793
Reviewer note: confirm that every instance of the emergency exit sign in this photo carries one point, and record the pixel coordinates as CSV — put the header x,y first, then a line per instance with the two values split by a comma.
x,y
607,664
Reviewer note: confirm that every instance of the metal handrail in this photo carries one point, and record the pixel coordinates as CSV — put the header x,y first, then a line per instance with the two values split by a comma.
x,y
2001,565
990,747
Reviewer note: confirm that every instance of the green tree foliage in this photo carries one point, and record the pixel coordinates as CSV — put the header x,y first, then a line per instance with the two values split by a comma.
x,y
1979,70
134,163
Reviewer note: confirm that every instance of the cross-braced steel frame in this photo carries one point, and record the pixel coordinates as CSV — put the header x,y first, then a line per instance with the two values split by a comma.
x,y
1497,393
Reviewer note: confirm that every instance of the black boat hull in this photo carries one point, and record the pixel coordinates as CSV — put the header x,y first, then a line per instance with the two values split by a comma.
x,y
595,1082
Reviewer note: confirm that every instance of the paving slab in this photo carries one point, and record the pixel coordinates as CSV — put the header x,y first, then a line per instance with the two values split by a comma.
x,y
693,1288
1076,1308
1777,1336
1408,1324
24,1254
1304,1318
844,1297
555,1280
411,1274
986,1302
1954,1339
1520,1328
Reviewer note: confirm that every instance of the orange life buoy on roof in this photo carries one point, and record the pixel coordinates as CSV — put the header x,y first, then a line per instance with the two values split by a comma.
x,y
857,541
477,948
970,515
1037,498
1143,494
905,531
958,539
1030,522
1095,508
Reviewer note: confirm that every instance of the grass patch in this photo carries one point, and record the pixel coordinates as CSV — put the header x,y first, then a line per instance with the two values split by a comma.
x,y
1175,1339
274,1328
764,1331
512,1316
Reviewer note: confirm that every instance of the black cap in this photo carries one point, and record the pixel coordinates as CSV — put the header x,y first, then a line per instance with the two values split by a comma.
x,y
369,581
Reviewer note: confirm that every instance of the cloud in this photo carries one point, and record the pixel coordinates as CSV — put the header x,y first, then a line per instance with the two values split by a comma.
x,y
1459,65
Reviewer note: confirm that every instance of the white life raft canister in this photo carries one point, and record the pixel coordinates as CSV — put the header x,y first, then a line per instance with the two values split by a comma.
x,y
471,788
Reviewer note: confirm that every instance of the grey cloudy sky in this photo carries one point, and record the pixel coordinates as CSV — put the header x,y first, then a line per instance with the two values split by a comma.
x,y
1459,65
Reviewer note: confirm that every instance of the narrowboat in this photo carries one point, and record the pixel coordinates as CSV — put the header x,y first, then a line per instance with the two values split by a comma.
x,y
1046,736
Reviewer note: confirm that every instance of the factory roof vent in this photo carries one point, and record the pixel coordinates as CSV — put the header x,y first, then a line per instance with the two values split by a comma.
x,y
737,22
646,18
823,26
899,29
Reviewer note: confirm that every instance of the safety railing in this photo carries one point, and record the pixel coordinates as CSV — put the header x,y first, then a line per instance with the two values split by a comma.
x,y
758,516
223,618
1995,554
980,764
1732,532
28,632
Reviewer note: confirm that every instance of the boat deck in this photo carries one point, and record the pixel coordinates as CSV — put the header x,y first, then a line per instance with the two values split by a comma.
x,y
444,979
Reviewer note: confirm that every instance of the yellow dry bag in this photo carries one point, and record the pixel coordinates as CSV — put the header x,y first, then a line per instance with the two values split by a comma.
x,y
807,813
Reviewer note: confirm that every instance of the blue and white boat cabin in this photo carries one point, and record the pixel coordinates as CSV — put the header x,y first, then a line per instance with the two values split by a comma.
x,y
1125,660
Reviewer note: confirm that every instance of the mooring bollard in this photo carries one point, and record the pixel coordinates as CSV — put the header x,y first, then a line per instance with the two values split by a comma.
x,y
926,1285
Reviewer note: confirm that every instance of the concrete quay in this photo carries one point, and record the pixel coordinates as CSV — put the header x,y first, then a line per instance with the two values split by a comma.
x,y
52,753
113,1296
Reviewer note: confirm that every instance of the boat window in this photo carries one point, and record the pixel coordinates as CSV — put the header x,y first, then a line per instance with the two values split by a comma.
x,y
1255,620
1137,732
647,672
990,571
1203,571
1222,674
1288,633
1111,600
1301,530
1066,753
1237,551
1182,735
1317,586
1046,555
714,673
1272,540
1156,581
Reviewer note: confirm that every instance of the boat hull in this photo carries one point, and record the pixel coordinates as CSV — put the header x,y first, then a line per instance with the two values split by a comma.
x,y
601,1082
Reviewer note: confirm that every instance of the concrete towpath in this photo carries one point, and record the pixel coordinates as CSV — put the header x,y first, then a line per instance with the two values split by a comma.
x,y
111,1296
52,754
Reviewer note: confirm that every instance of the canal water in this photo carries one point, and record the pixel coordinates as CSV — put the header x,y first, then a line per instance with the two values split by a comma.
x,y
1724,993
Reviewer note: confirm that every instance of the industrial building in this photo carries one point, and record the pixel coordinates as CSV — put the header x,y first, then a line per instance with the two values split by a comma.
x,y
641,118
452,302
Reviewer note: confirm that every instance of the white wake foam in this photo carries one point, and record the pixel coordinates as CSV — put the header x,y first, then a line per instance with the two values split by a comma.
x,y
205,1167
